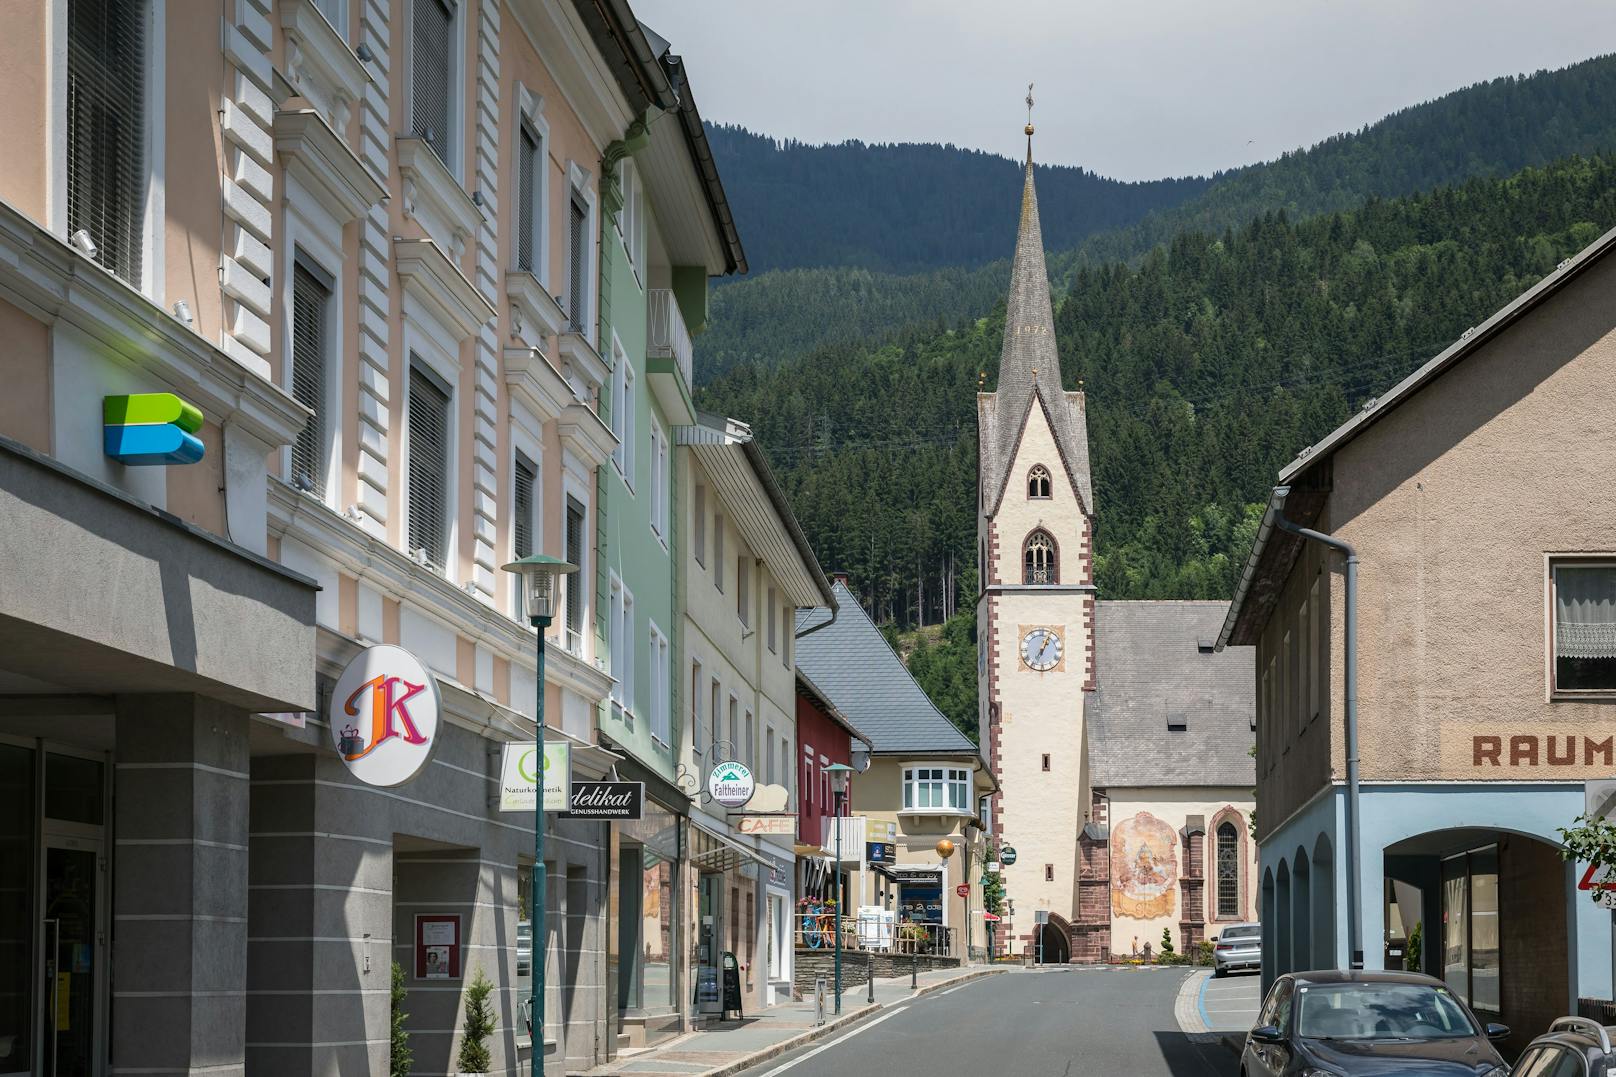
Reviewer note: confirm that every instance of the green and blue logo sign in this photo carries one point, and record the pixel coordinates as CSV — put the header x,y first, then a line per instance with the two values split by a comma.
x,y
144,429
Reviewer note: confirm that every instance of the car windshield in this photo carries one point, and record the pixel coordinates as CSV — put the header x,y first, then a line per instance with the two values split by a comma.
x,y
1231,933
1379,1011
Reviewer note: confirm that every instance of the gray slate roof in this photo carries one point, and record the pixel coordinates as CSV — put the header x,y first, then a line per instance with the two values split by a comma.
x,y
852,665
1149,666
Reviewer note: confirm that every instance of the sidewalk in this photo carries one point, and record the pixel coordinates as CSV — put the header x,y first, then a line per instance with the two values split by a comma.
x,y
732,1046
1218,1010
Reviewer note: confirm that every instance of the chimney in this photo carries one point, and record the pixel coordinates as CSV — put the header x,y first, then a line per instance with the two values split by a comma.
x,y
841,578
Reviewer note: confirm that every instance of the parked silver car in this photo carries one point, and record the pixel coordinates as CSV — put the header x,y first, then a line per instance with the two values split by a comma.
x,y
1238,946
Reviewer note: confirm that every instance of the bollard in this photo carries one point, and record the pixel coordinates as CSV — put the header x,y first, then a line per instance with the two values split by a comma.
x,y
914,972
869,968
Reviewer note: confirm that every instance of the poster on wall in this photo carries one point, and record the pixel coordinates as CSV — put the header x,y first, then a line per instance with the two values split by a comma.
x,y
437,946
1144,868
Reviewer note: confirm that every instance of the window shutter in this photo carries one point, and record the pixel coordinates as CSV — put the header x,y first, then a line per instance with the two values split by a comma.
x,y
575,555
428,430
527,180
430,88
106,129
526,477
311,298
577,237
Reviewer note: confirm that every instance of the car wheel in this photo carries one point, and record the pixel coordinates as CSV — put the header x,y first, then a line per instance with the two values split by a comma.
x,y
1219,973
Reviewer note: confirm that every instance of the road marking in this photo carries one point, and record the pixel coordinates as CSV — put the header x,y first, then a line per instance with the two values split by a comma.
x,y
840,1039
951,990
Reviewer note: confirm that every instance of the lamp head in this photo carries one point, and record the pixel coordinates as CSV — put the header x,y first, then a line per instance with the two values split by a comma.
x,y
945,848
538,574
839,774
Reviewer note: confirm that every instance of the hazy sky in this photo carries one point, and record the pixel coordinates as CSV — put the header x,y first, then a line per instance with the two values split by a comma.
x,y
1134,89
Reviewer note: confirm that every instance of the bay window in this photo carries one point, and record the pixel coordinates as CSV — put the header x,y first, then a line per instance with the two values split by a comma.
x,y
937,789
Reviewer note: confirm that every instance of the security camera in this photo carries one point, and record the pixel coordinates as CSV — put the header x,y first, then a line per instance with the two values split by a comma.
x,y
82,243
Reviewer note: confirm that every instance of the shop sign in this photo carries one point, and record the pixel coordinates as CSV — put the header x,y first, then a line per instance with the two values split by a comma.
x,y
519,776
880,852
766,824
880,830
731,784
150,429
1007,855
386,711
993,867
606,800
963,889
437,946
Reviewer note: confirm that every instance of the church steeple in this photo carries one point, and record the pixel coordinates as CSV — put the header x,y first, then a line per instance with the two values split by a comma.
x,y
1029,363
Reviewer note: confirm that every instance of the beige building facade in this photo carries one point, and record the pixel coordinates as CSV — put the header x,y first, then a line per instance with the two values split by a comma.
x,y
1473,499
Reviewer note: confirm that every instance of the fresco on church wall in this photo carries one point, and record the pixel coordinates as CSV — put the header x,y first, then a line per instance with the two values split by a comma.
x,y
1144,868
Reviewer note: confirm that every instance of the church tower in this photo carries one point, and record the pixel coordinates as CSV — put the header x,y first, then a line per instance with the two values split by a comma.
x,y
1035,614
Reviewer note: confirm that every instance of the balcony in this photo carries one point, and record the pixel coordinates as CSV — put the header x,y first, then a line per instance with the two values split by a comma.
x,y
669,355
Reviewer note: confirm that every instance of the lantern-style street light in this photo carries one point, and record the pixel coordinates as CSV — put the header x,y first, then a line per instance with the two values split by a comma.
x,y
839,774
537,575
945,849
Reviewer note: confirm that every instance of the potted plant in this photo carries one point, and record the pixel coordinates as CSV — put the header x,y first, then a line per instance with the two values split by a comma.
x,y
479,1025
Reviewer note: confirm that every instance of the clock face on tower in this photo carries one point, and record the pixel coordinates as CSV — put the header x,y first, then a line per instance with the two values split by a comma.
x,y
1041,649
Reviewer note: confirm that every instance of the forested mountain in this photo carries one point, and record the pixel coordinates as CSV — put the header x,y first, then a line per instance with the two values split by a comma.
x,y
1208,364
1490,129
907,207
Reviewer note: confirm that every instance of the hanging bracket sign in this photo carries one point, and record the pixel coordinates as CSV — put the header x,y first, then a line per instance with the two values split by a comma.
x,y
731,784
606,800
519,772
384,715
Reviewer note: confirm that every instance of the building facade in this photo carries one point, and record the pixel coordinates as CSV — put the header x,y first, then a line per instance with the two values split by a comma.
x,y
1483,657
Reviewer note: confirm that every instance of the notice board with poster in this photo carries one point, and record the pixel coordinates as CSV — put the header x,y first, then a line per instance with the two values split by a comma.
x,y
437,946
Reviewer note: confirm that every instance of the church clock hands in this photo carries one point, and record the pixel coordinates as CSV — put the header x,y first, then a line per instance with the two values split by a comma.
x,y
1041,649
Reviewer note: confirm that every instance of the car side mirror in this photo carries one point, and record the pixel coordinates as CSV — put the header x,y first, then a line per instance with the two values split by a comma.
x,y
1267,1034
1496,1032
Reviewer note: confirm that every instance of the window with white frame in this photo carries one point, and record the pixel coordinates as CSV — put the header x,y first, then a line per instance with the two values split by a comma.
x,y
631,218
773,615
310,370
941,789
336,13
695,706
661,686
620,628
785,767
788,618
427,427
577,261
768,755
751,741
734,727
107,68
529,203
718,550
576,582
659,482
623,413
698,525
434,72
524,516
808,780
743,589
1583,625
716,716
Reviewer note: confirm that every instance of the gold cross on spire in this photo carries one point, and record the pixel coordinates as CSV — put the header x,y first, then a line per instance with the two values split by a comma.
x,y
1029,110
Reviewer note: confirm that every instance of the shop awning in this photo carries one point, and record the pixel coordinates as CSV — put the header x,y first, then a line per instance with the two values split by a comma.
x,y
727,853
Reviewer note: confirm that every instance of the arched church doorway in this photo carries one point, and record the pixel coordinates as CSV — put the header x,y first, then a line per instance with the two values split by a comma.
x,y
1051,946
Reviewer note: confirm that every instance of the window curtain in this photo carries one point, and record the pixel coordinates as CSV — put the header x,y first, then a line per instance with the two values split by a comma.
x,y
1585,612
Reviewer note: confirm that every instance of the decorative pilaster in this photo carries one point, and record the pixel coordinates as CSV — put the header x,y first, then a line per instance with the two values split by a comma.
x,y
487,279
374,300
246,188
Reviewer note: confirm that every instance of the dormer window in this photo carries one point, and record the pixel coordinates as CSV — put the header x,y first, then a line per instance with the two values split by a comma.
x,y
1040,564
1038,482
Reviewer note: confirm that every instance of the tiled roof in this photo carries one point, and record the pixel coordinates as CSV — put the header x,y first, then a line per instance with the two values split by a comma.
x,y
852,665
1150,668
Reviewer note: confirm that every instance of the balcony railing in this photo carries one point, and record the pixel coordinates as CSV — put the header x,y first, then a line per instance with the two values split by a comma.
x,y
669,339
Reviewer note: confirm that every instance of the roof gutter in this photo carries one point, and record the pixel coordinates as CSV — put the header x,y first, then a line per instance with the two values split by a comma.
x,y
1275,510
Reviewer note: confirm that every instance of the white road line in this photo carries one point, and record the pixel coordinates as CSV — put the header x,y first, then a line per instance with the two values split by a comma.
x,y
951,990
840,1039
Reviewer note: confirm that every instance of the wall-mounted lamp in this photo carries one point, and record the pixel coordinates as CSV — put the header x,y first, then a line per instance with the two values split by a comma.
x,y
82,243
182,311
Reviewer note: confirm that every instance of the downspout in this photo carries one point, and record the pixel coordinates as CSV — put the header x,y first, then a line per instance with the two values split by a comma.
x,y
1354,859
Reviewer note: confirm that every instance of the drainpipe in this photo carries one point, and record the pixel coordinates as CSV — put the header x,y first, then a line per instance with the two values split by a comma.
x,y
1354,859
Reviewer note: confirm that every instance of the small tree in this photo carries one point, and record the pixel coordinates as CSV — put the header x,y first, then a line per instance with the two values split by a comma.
x,y
1167,942
400,1057
474,1057
1416,943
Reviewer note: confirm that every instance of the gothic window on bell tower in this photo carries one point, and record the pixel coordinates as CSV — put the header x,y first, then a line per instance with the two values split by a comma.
x,y
1038,482
1039,559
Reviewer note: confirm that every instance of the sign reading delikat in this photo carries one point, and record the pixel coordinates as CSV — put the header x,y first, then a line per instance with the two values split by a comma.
x,y
146,429
606,800
519,772
385,710
731,784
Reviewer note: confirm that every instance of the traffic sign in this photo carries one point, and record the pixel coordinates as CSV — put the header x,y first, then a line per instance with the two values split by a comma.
x,y
1599,797
1007,855
963,889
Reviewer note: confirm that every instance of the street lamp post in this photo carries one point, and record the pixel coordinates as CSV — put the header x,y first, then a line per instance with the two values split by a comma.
x,y
839,773
945,849
538,574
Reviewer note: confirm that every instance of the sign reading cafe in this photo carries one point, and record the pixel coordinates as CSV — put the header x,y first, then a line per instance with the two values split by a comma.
x,y
385,711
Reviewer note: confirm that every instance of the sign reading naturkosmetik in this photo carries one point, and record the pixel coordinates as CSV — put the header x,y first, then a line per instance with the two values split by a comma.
x,y
519,771
606,800
384,715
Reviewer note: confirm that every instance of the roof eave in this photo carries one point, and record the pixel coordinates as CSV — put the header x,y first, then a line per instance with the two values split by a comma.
x,y
1276,508
832,711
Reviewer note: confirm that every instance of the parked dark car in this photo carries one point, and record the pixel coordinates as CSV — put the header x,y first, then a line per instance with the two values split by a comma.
x,y
1352,1024
1572,1047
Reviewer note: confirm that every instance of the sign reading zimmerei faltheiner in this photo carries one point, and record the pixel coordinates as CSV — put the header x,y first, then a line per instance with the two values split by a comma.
x,y
384,715
519,770
606,800
731,784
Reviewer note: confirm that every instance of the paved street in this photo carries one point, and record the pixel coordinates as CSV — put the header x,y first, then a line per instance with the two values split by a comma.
x,y
1065,1023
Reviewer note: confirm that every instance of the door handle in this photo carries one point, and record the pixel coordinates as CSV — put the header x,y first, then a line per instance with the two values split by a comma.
x,y
53,932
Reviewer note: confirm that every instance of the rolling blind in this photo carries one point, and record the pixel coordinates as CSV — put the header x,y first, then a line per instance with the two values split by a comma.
x,y
430,89
428,429
311,297
527,180
526,475
106,129
575,555
577,236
